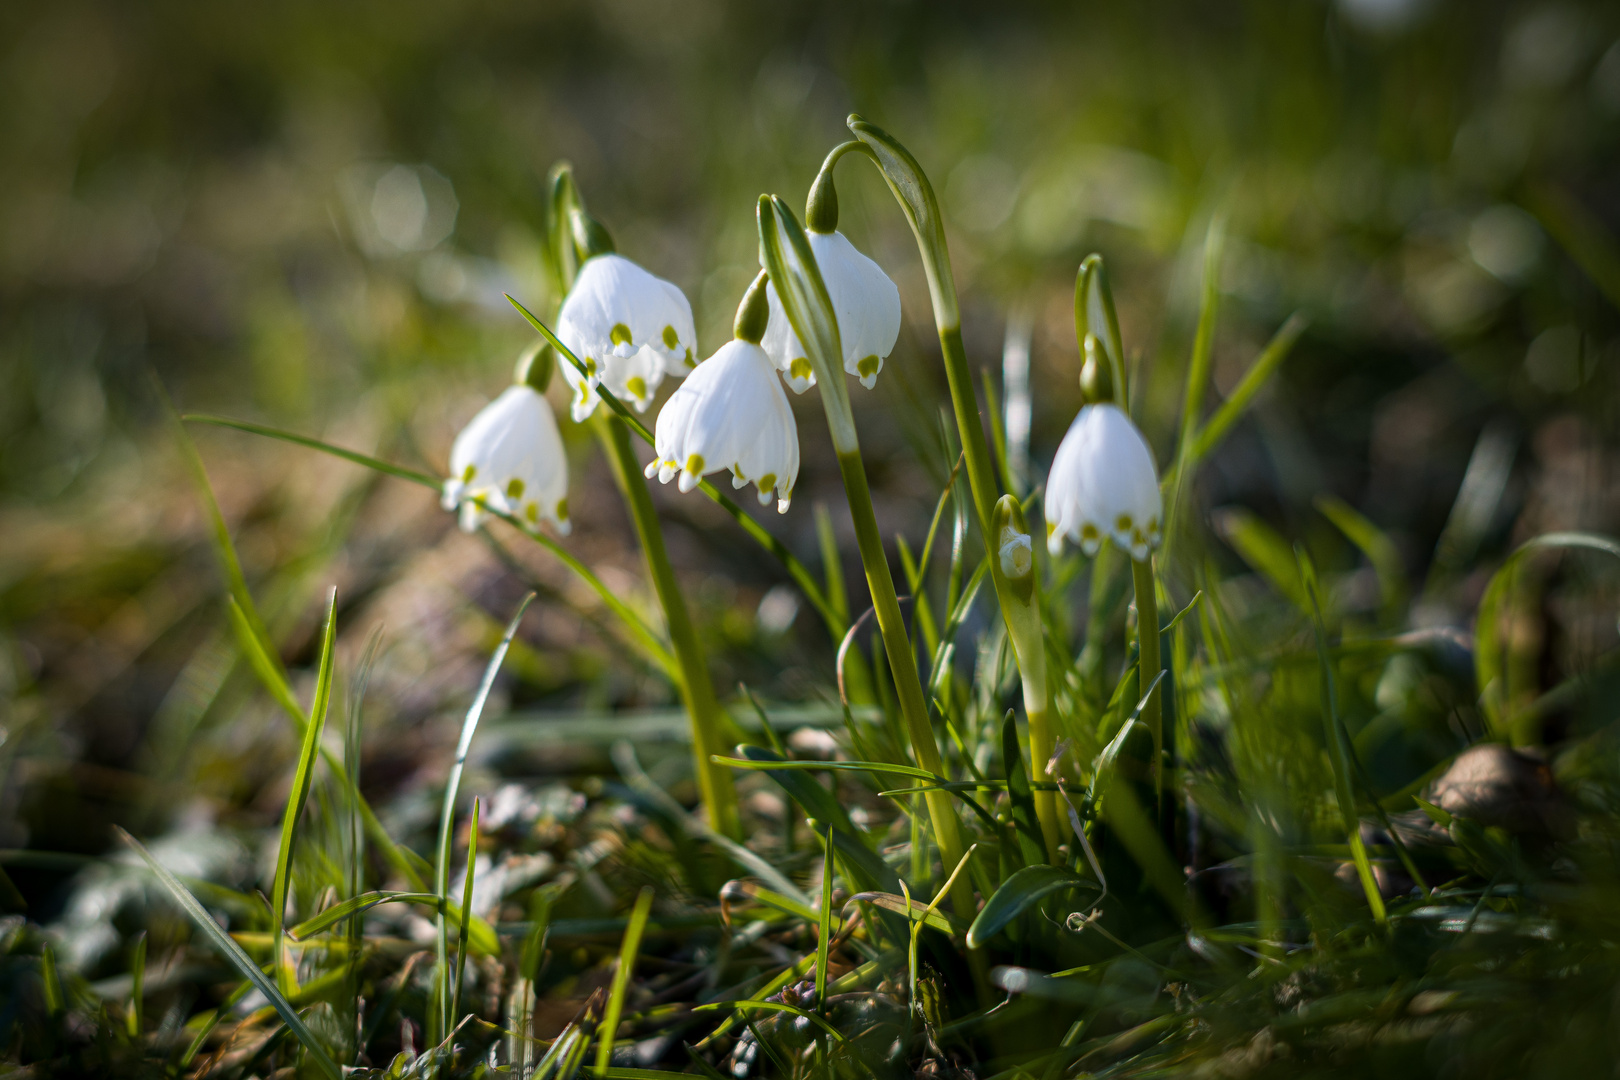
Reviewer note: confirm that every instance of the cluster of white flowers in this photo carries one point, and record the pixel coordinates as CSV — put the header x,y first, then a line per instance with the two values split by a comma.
x,y
631,329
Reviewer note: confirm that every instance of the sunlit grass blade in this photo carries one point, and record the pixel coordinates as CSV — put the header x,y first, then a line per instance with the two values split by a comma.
x,y
452,787
302,779
220,535
51,979
466,915
628,948
1265,550
645,638
136,1020
1337,744
480,934
227,947
1255,379
824,920
1380,550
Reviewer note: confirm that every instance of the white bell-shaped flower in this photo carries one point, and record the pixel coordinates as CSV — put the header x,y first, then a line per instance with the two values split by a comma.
x,y
629,327
510,459
1103,484
730,413
866,302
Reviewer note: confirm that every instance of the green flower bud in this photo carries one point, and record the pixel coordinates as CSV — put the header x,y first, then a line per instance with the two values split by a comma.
x,y
1096,378
754,312
536,366
1015,551
821,209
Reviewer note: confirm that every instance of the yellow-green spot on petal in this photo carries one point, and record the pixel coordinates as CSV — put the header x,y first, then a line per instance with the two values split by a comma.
x,y
1088,531
1123,524
562,509
532,512
620,334
868,366
514,488
468,473
800,368
636,385
1051,527
689,358
767,481
671,338
590,365
694,464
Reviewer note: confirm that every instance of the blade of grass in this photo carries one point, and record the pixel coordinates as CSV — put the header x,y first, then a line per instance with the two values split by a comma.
x,y
238,959
302,779
1380,550
136,1020
621,978
824,921
644,636
1265,366
1337,742
466,913
441,865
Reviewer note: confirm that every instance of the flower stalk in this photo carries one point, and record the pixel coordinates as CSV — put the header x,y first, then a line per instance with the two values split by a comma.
x,y
576,237
787,258
915,194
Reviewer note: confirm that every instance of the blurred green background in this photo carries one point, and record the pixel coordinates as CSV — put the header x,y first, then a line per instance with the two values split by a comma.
x,y
307,214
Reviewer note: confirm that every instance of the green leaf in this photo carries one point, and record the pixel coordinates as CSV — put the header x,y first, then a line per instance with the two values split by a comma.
x,y
1031,846
1015,896
238,959
1265,365
1490,659
1264,549
452,787
1338,743
302,779
481,935
628,948
913,910
1379,549
1439,816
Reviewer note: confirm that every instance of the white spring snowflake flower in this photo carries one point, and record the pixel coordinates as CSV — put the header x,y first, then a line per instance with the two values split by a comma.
x,y
1104,485
730,413
510,458
630,329
866,302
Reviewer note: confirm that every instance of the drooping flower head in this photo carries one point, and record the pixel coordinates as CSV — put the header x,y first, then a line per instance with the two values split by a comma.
x,y
629,327
510,458
732,413
865,302
1103,483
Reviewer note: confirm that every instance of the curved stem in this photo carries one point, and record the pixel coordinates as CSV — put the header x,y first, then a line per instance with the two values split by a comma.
x,y
916,197
697,690
792,267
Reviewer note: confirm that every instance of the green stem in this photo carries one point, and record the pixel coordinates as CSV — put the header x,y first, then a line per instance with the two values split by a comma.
x,y
697,690
786,253
916,197
902,663
1147,637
